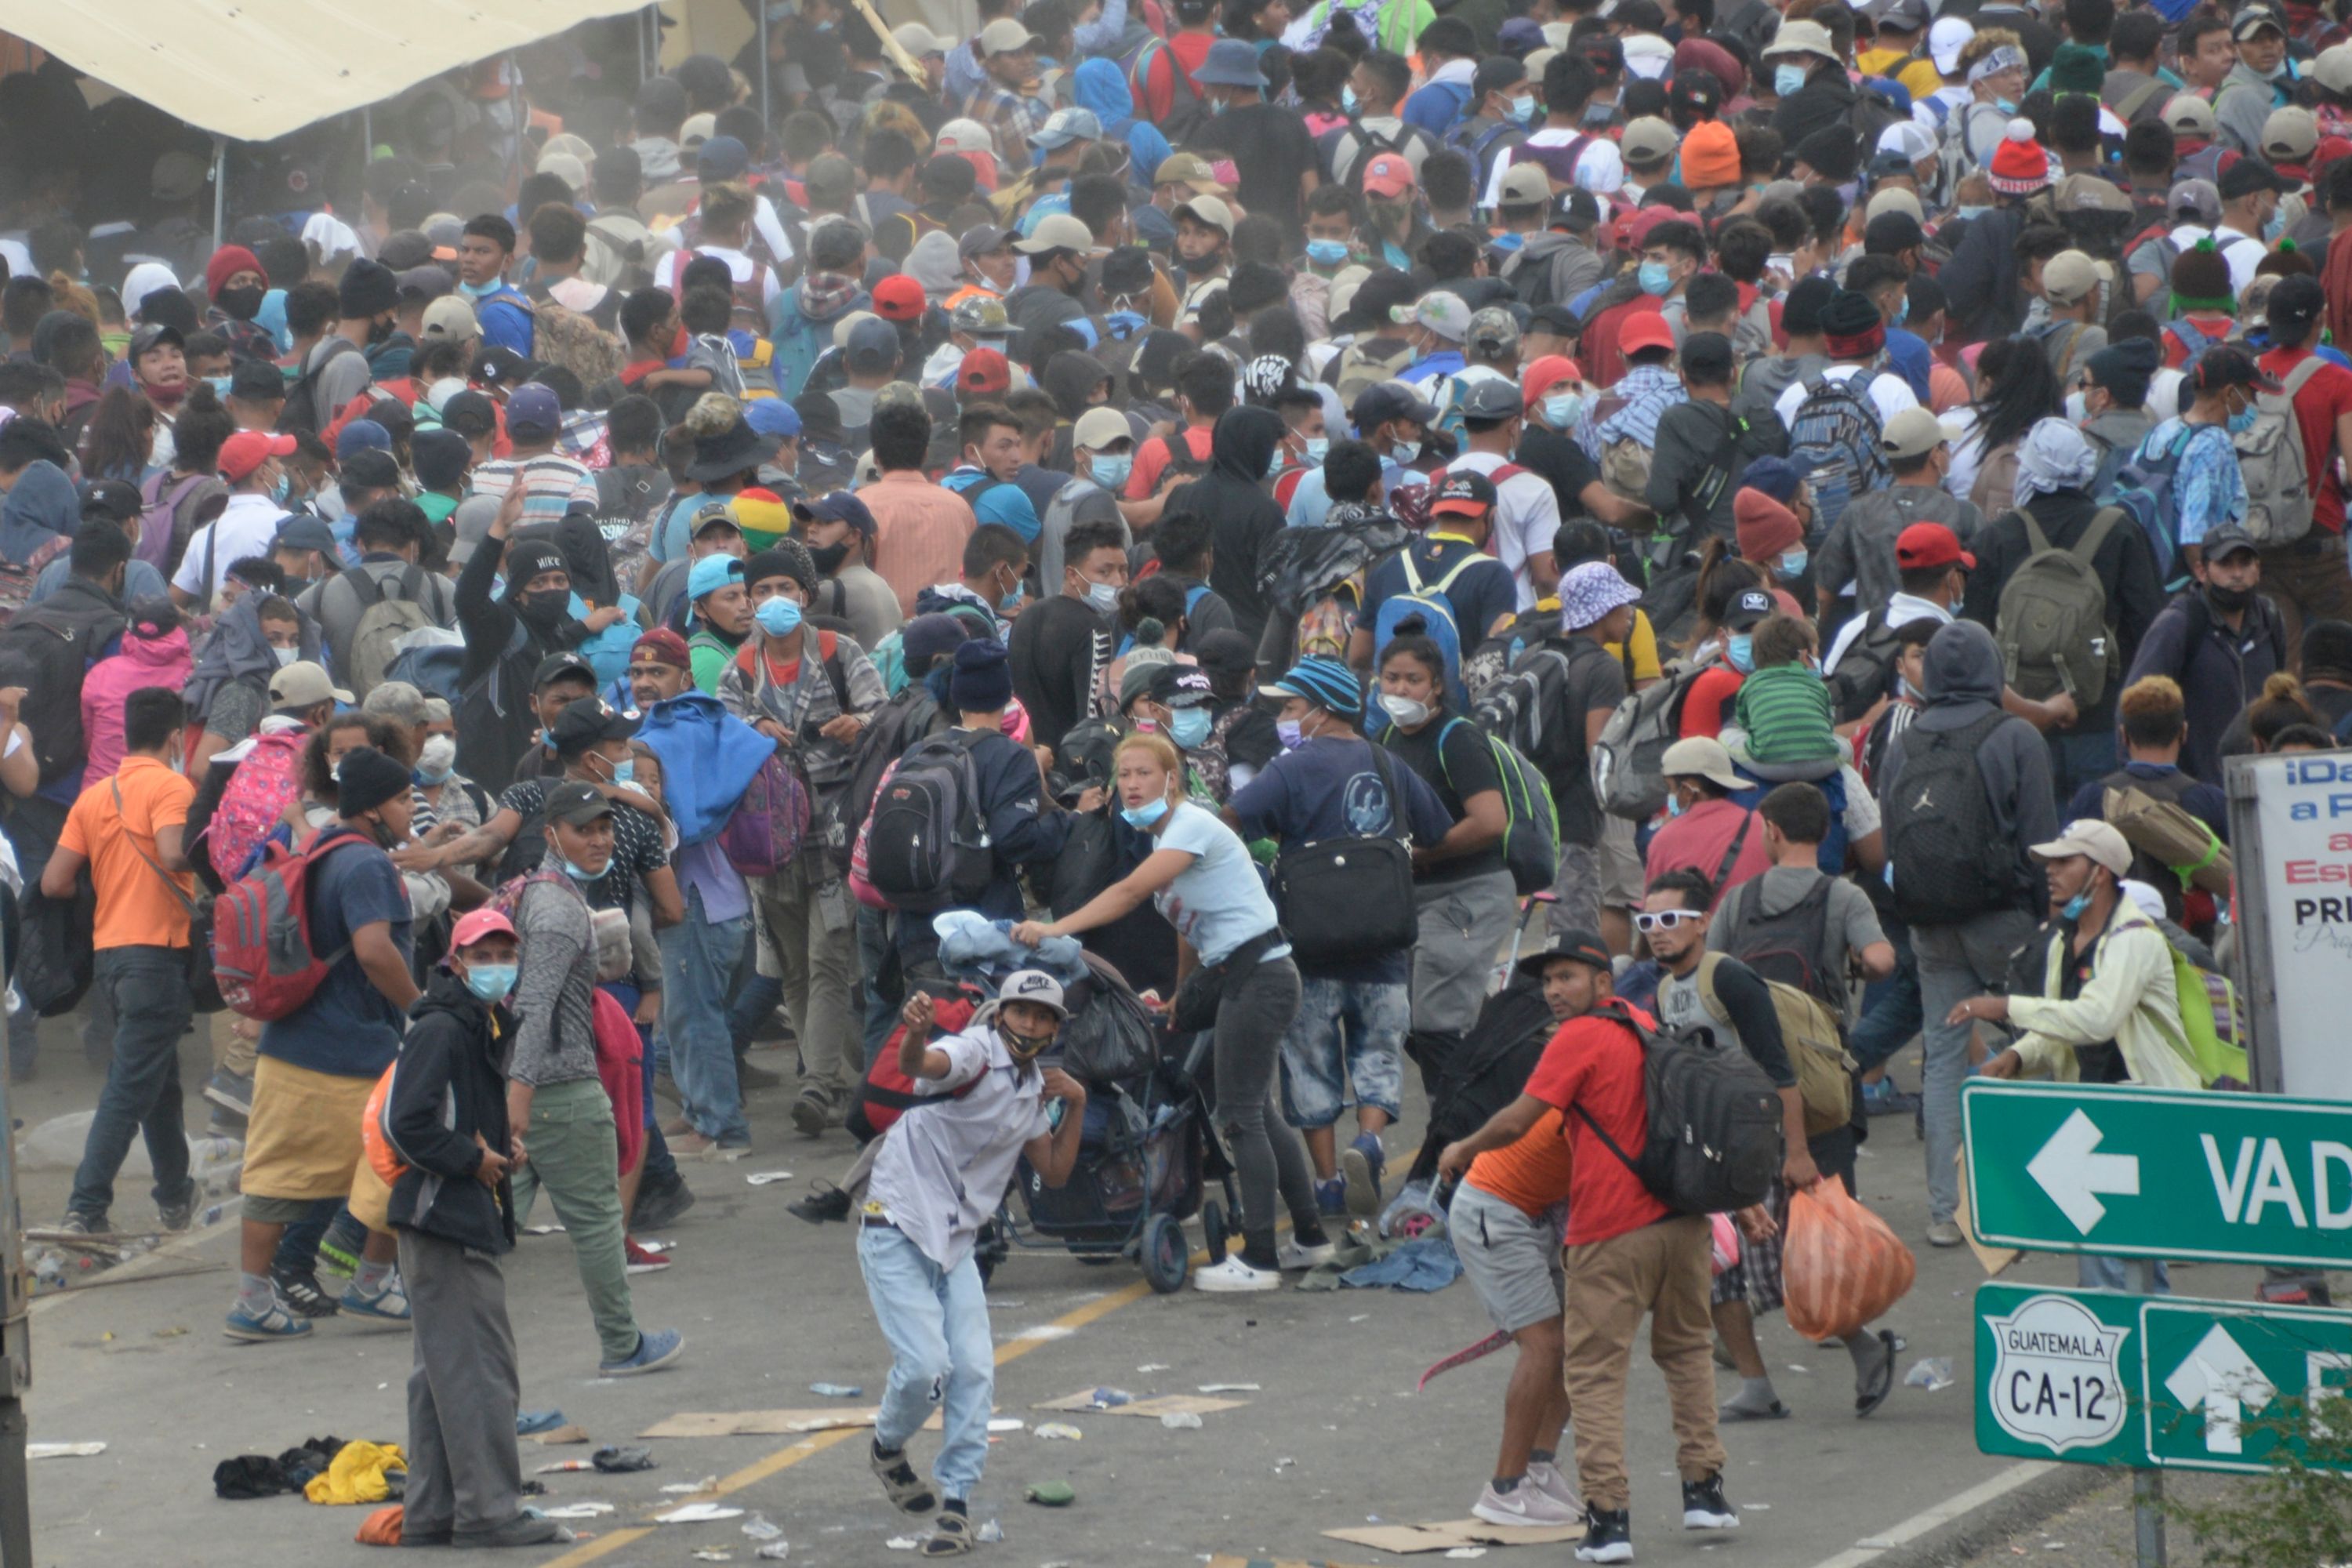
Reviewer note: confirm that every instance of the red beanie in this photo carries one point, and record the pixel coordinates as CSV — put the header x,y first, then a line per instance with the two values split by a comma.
x,y
1766,528
227,263
2020,167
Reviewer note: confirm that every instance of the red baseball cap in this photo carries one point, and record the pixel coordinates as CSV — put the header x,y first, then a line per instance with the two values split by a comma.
x,y
1387,175
1931,544
475,924
899,298
1645,330
984,370
247,449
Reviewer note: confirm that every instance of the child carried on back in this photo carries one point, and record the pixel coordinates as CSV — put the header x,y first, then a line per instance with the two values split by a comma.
x,y
1785,719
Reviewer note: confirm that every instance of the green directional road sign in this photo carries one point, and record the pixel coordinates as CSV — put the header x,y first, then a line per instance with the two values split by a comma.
x,y
2100,1378
2157,1172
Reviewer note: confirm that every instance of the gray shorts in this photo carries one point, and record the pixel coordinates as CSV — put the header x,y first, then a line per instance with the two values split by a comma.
x,y
1511,1259
1464,925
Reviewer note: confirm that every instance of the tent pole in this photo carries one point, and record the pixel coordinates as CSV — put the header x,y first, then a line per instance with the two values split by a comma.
x,y
220,191
367,135
767,71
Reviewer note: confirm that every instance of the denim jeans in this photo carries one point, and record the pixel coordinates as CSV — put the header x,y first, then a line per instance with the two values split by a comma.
x,y
699,959
147,989
1955,963
1890,1013
1347,1032
875,954
2146,1277
941,1352
2077,759
655,1163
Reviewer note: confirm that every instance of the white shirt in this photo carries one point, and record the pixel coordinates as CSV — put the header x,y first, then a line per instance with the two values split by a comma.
x,y
2243,252
1890,391
1901,609
246,526
763,219
945,1163
1526,516
740,266
1600,168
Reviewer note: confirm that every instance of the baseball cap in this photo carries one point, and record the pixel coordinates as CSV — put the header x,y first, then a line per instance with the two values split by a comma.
x,y
247,449
1179,686
1441,311
1386,400
839,507
1491,397
1097,428
1033,985
1747,607
1210,212
300,530
1493,327
1914,433
451,316
2253,19
1060,231
1327,683
711,573
1946,39
1645,330
1465,494
965,136
1389,174
1701,757
584,724
1649,140
475,924
2296,302
2226,540
1004,36
305,684
2198,201
2247,175
1585,947
873,346
897,298
575,803
557,666
1930,544
980,316
2188,113
1524,185
983,370
2332,67
2290,135
1065,126
1187,169
2089,836
2068,277
534,412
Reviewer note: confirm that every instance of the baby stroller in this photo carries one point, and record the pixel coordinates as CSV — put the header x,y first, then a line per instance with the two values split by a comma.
x,y
1144,1154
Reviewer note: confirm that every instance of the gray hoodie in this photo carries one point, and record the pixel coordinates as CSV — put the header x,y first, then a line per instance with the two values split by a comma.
x,y
1573,264
1963,681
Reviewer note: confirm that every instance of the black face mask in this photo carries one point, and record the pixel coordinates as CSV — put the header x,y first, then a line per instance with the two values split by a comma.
x,y
380,831
547,604
239,304
1202,266
2229,601
381,331
829,558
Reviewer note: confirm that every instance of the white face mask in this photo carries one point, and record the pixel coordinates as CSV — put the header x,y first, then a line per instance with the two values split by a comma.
x,y
1404,709
285,656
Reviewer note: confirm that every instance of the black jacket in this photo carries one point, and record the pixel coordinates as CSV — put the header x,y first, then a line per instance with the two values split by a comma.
x,y
2126,570
1827,100
449,1086
1232,494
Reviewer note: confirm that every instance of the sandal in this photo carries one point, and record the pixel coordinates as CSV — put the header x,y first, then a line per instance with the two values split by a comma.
x,y
1869,1398
1778,1412
950,1536
906,1490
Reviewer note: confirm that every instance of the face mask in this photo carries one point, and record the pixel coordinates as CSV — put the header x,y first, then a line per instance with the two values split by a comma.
x,y
219,385
2276,227
1523,108
1274,465
284,487
1740,651
1327,252
1012,602
780,616
624,771
1792,562
1405,710
1023,1048
1286,730
1144,815
1189,726
491,981
2242,421
1788,80
829,558
1318,449
1103,596
1111,472
1902,311
1201,266
574,872
1653,276
1561,409
1972,212
1904,688
2073,907
239,304
1347,99
481,290
549,604
285,656
1674,805
1405,451
2007,106
2229,601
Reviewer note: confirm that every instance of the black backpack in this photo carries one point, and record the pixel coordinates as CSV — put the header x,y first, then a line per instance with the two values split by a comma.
x,y
897,725
1716,1138
47,648
1950,861
928,847
1351,897
301,413
1784,947
1865,670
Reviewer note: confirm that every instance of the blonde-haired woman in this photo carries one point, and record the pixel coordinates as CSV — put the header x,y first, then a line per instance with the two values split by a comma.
x,y
1201,879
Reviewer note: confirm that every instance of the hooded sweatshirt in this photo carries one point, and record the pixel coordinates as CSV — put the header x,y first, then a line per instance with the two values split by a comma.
x,y
1963,683
450,1089
1232,494
143,661
40,515
935,263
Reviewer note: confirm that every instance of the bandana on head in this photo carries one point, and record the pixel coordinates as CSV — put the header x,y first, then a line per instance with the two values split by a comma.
x,y
2052,457
1859,345
2003,57
826,294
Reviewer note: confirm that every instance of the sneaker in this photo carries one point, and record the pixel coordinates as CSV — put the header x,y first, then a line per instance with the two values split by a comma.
x,y
654,1350
1608,1536
1291,1256
749,1077
233,1093
827,1203
523,1529
78,1224
1545,1477
1331,1198
302,1293
693,1145
907,1490
640,1260
677,1127
178,1215
1234,1275
388,1302
1945,1232
659,1207
1525,1504
811,1112
1704,1508
1362,1162
277,1323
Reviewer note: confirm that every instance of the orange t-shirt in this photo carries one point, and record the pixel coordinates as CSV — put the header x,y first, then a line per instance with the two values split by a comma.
x,y
1532,1174
134,907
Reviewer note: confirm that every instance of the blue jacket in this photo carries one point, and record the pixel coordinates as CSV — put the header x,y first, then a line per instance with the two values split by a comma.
x,y
506,320
709,758
1436,106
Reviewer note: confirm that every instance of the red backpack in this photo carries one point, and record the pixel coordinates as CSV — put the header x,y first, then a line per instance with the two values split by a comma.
x,y
886,1093
261,931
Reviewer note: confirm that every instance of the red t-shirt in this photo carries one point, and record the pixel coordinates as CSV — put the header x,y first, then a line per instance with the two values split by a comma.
x,y
1603,362
2324,398
1698,839
1152,458
1595,1063
1708,701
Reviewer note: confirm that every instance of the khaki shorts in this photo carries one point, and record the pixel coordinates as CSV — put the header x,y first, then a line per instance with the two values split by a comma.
x,y
1622,887
303,1138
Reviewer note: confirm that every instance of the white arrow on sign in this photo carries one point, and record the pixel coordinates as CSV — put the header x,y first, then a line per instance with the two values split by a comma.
x,y
2073,1174
2220,1375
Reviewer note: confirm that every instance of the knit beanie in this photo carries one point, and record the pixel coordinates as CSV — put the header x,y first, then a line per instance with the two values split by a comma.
x,y
762,515
2200,279
928,638
1767,529
2020,167
2076,67
983,681
368,288
1833,152
1144,659
227,263
2125,369
1710,157
785,558
365,779
1853,326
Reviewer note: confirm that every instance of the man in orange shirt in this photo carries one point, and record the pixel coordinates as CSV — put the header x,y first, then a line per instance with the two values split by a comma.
x,y
127,830
920,528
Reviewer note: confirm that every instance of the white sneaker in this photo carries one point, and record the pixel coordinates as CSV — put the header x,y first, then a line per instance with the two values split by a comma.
x,y
1525,1504
1289,1256
1234,1275
1545,1477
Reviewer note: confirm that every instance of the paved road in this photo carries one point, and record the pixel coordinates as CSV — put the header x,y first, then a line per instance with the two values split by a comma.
x,y
770,1305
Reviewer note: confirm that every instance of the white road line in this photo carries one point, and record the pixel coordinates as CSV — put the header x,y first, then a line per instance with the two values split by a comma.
x,y
1868,1549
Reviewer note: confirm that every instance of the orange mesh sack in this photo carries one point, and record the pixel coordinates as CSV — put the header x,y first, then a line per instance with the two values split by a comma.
x,y
382,1528
1841,1267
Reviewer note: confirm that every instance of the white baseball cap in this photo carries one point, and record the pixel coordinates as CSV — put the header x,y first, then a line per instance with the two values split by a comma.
x,y
1946,39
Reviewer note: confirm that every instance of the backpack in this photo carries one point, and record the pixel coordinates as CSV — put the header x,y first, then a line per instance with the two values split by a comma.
x,y
1836,430
1781,949
897,724
1949,860
2271,457
1371,144
438,669
927,843
1518,708
301,413
2144,493
384,1155
1628,776
2052,626
1360,370
1860,679
1531,828
384,619
561,335
1350,896
174,514
255,797
886,1094
1715,1141
764,833
1429,602
261,931
620,259
1188,111
46,649
2212,1023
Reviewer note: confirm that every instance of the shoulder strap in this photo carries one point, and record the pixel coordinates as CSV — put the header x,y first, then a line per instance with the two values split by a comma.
x,y
2138,99
1709,964
2036,541
1458,568
1731,855
368,592
2299,377
186,902
2086,548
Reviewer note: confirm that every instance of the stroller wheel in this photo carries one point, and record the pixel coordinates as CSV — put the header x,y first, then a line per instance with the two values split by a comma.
x,y
1166,1259
1213,1234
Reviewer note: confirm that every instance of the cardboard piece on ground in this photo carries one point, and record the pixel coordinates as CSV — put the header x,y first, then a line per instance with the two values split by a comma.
x,y
1994,1258
764,1423
1082,1402
560,1434
1225,1562
1453,1532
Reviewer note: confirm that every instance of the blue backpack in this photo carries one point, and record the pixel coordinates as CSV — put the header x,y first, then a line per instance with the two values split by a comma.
x,y
1428,601
436,670
2143,489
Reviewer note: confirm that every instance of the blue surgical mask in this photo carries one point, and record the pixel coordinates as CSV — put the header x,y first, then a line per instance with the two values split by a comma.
x,y
1274,464
285,656
1347,99
1523,108
1103,596
279,491
2073,907
1318,449
491,981
1970,212
1110,471
1144,815
624,771
1674,805
1405,451
1652,278
1788,80
220,383
1188,727
1012,602
2276,227
577,873
1902,311
1560,408
1740,651
2243,420
1287,731
780,616
1792,562
479,291
1327,252
2006,105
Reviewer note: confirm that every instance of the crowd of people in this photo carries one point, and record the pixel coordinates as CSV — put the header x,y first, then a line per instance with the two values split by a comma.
x,y
1794,503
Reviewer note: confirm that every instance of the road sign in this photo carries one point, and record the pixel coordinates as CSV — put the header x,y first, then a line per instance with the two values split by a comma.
x,y
2154,1173
2100,1378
